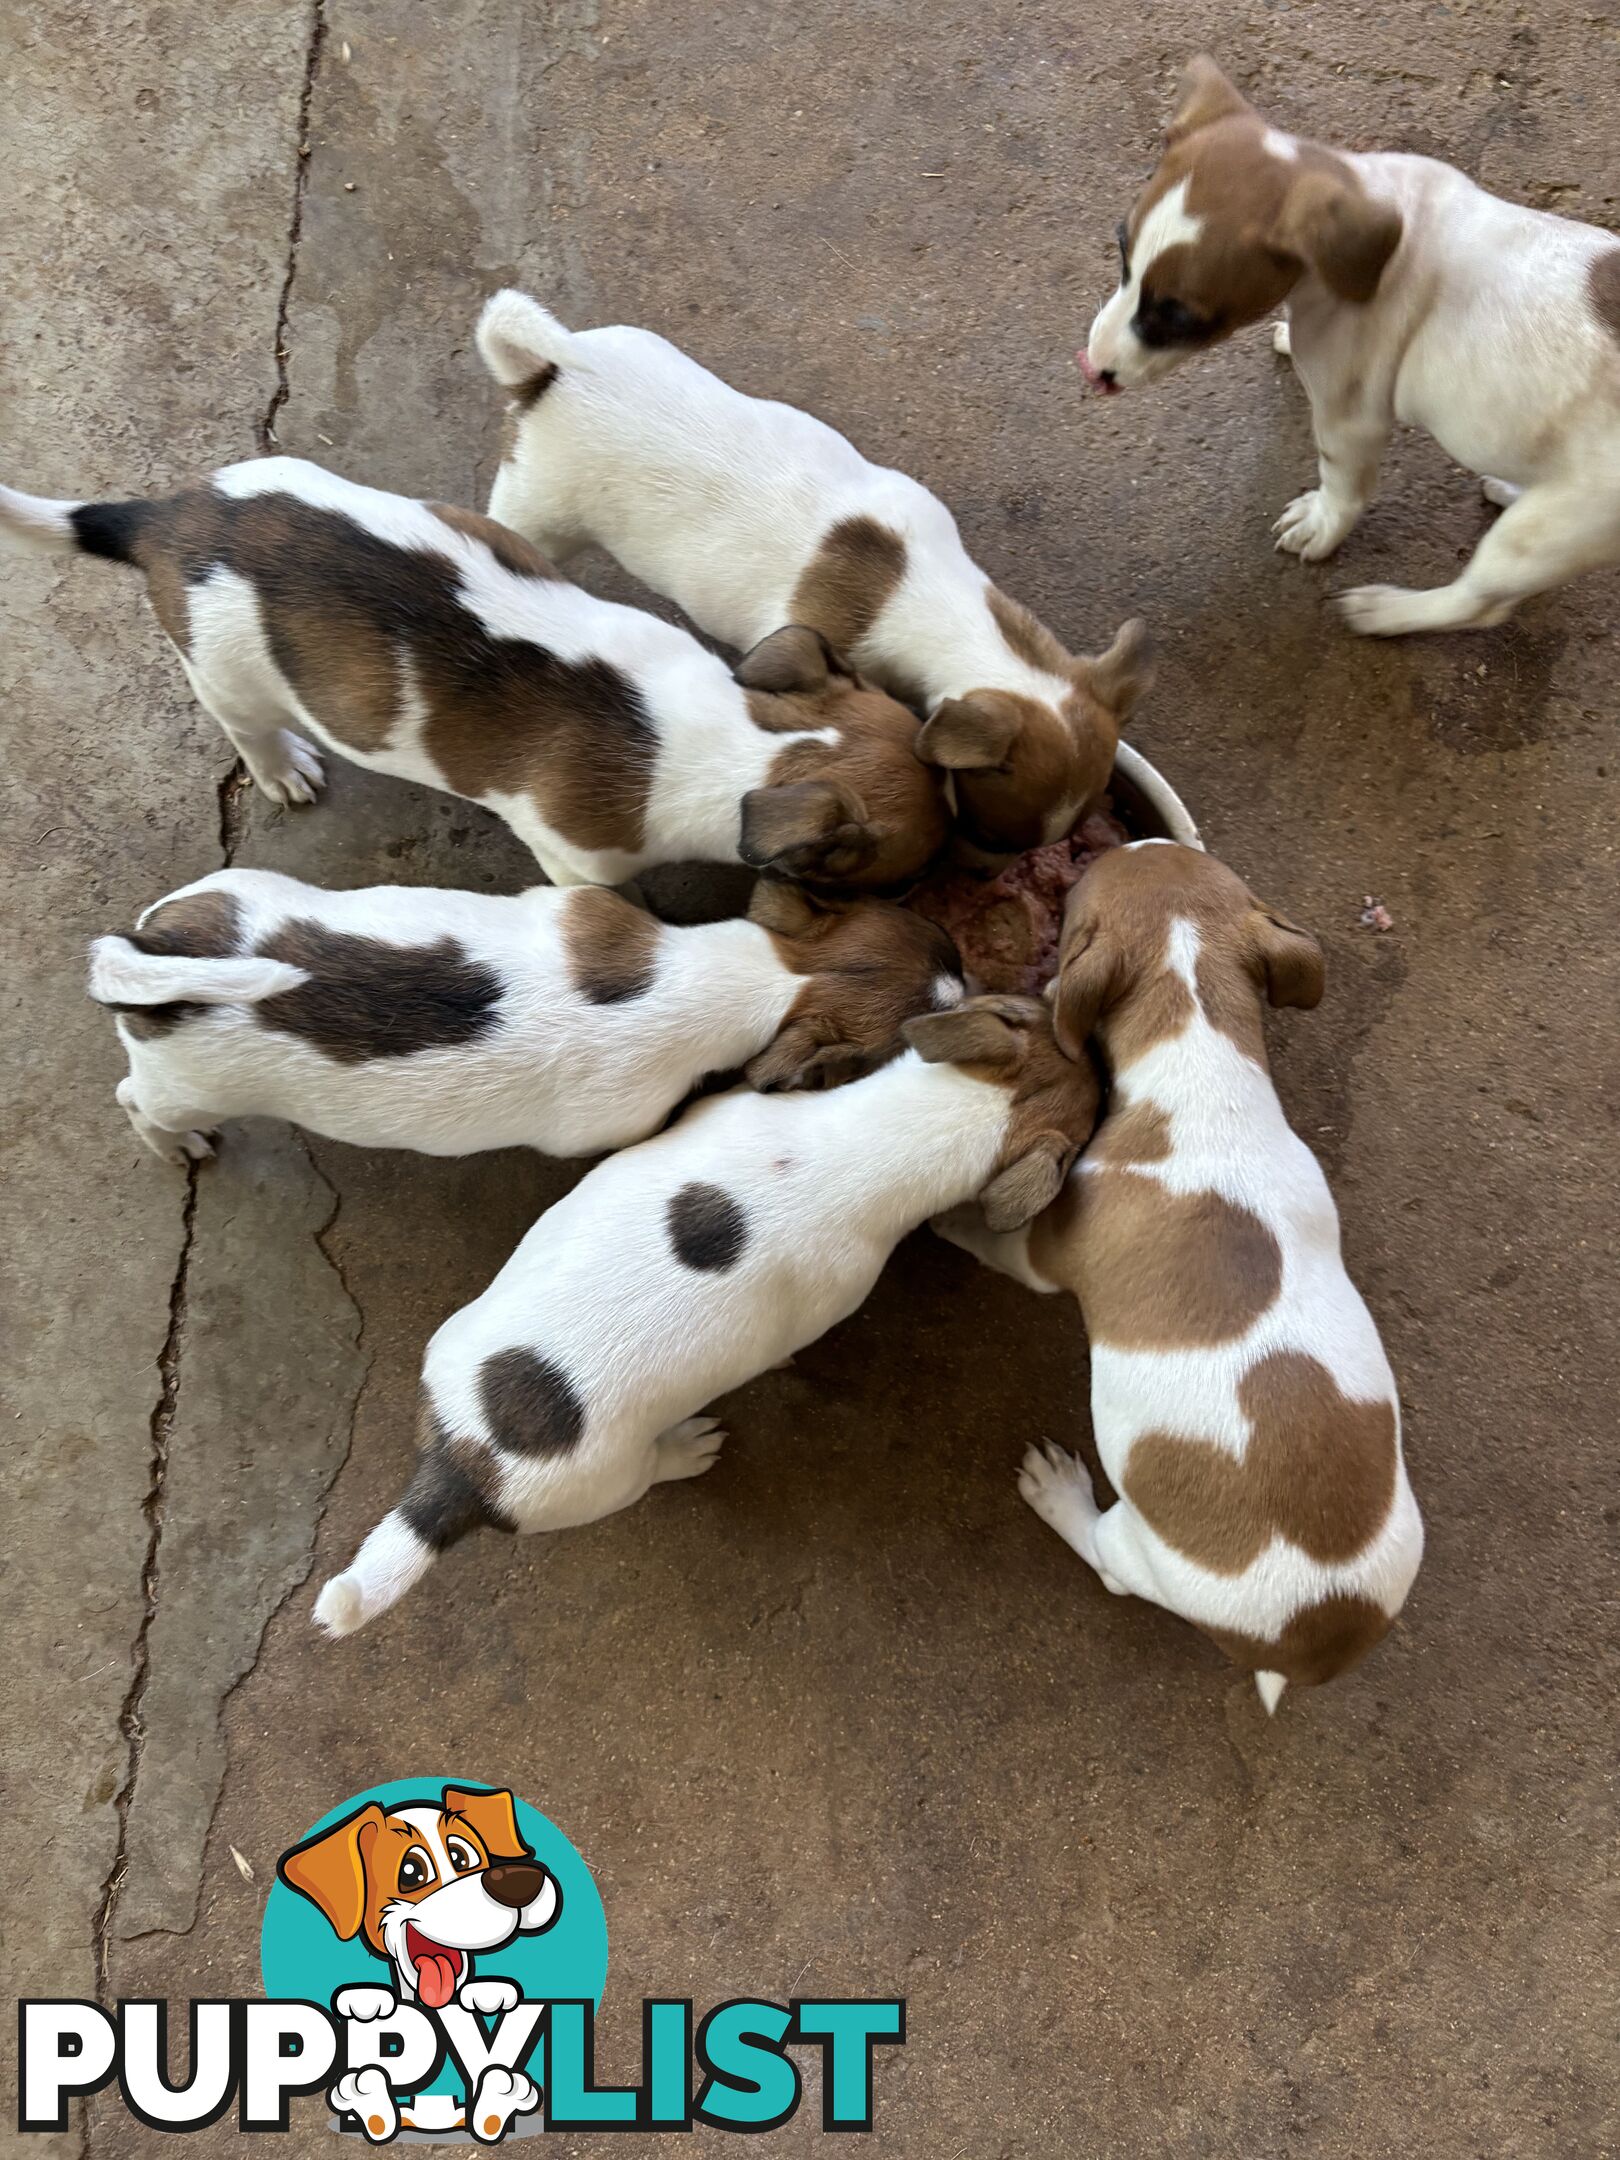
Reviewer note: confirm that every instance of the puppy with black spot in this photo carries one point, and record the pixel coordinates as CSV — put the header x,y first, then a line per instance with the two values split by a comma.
x,y
750,513
451,1022
433,644
681,1268
1413,299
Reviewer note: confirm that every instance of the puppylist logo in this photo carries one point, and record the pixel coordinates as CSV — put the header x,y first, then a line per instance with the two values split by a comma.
x,y
434,1955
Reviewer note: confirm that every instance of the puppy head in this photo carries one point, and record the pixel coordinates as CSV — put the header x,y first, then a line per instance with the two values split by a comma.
x,y
1236,214
868,966
1154,933
1009,1042
1028,769
858,811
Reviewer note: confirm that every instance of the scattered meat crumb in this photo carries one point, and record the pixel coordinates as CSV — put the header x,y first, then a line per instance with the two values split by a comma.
x,y
1374,914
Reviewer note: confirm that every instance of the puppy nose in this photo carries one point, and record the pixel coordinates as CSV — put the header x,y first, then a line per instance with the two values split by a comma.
x,y
514,1882
1107,377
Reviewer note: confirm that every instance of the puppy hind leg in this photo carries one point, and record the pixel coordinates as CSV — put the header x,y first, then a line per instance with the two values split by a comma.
x,y
688,1449
281,764
1057,1485
171,1144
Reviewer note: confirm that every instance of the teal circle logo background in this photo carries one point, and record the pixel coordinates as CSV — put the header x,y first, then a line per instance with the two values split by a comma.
x,y
301,1957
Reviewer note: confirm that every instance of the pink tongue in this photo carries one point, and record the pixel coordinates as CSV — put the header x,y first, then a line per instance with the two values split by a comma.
x,y
436,1978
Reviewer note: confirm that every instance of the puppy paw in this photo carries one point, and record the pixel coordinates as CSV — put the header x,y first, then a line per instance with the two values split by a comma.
x,y
365,2094
1310,528
364,2004
488,1997
689,1448
1057,1486
1383,610
293,773
1282,340
501,2094
1499,492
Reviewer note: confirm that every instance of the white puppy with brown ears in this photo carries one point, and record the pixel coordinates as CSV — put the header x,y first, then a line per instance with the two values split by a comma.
x,y
749,513
1241,1402
1414,299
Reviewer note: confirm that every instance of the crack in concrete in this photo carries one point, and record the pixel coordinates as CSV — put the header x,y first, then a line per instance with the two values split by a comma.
x,y
295,231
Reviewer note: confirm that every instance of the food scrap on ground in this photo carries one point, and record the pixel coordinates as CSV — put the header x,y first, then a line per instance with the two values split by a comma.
x,y
1007,927
1374,914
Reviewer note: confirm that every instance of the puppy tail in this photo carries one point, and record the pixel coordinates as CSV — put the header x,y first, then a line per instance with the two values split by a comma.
x,y
38,524
1269,1686
523,345
122,975
391,1560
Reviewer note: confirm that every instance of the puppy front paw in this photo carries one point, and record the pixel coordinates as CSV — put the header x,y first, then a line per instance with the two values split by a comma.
x,y
1382,610
365,2094
689,1448
488,1997
292,771
1311,528
501,2094
1057,1485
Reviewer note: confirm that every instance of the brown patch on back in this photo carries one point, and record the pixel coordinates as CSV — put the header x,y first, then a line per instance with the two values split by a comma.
x,y
1155,1269
1603,290
197,926
456,1486
612,946
1318,1644
367,999
848,582
1318,1470
509,549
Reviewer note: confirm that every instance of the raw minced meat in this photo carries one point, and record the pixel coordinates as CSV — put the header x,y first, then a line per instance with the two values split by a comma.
x,y
1007,927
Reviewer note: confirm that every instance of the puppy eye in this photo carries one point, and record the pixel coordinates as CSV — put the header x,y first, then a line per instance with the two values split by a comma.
x,y
1163,320
415,1870
462,1857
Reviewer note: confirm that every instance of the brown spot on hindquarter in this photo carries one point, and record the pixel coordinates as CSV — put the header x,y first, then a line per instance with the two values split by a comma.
x,y
1603,290
848,582
368,999
456,1486
530,1405
1318,1469
197,926
533,388
612,946
1318,1644
1155,1269
509,549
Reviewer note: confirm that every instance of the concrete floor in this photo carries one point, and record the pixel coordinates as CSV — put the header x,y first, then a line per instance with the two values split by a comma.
x,y
842,1717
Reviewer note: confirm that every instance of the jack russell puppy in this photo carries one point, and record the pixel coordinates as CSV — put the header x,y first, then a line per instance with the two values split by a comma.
x,y
1414,298
427,1885
1241,1401
679,1269
451,1022
430,643
749,513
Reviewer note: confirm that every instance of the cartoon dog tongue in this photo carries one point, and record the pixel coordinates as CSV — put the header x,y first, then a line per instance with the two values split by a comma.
x,y
436,1970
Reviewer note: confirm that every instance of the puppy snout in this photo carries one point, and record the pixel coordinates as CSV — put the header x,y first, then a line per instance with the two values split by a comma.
x,y
515,1882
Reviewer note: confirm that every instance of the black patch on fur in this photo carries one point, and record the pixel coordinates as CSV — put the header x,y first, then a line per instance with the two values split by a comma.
x,y
528,393
531,1405
453,1488
110,529
707,1228
367,999
198,926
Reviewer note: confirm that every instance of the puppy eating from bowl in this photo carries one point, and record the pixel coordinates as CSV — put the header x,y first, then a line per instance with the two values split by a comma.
x,y
1414,299
1242,1405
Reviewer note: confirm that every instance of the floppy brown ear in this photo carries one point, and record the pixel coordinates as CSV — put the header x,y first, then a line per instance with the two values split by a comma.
x,y
792,660
780,905
964,735
799,1060
1024,1188
330,1870
1291,960
807,828
1084,985
1337,229
1206,96
1124,673
494,1818
971,1034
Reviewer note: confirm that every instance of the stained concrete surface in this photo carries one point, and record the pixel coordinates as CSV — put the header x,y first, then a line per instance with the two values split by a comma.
x,y
842,1717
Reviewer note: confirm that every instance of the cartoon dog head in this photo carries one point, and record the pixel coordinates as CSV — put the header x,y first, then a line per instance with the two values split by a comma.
x,y
426,1883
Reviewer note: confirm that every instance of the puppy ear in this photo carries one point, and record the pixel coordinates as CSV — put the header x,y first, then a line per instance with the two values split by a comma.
x,y
800,1059
1206,96
1124,673
778,904
1336,228
968,735
494,1818
330,1869
1033,1182
794,660
1085,984
806,828
971,1034
1291,960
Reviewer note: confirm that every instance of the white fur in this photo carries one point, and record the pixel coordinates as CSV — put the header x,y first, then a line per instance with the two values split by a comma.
x,y
1113,348
720,501
828,1185
555,1071
36,524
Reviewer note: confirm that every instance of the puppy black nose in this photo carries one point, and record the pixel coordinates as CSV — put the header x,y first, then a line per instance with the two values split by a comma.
x,y
514,1882
1107,376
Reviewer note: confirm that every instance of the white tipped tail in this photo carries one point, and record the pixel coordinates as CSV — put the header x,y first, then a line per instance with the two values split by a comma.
x,y
37,525
121,974
1269,1686
385,1567
518,338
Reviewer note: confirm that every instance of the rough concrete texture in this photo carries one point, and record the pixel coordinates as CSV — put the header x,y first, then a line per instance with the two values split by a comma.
x,y
842,1717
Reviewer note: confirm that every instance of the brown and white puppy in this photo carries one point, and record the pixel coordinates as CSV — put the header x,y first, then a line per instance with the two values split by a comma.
x,y
676,1270
1243,1408
451,1022
750,513
431,643
1413,298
